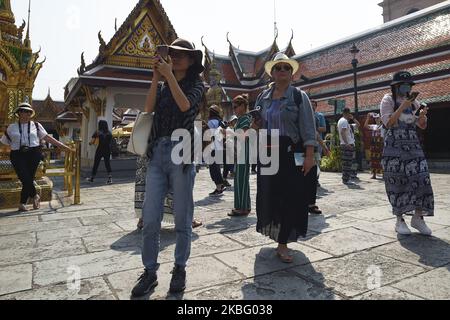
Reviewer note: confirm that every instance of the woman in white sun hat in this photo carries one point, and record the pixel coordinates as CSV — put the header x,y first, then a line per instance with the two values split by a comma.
x,y
281,204
24,137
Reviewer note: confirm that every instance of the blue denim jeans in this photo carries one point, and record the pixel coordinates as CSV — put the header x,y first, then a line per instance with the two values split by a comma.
x,y
163,175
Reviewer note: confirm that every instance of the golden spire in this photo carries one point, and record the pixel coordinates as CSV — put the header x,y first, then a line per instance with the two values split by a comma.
x,y
7,19
6,15
27,41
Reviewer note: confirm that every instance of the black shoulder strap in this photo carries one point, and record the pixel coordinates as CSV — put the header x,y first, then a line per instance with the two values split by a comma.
x,y
298,97
37,125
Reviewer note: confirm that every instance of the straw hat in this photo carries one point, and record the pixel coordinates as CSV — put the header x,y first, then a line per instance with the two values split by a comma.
x,y
25,106
281,58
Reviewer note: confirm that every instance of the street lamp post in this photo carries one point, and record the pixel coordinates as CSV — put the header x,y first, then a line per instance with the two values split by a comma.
x,y
354,51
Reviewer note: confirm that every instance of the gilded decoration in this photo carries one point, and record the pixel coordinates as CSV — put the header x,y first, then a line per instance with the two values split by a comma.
x,y
143,42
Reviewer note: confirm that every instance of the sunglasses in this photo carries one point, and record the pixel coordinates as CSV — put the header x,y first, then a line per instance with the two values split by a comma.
x,y
25,111
283,68
178,54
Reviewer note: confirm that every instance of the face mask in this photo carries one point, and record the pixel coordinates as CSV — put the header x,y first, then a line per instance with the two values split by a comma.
x,y
404,89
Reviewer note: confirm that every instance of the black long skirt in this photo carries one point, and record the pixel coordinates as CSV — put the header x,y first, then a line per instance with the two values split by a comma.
x,y
281,201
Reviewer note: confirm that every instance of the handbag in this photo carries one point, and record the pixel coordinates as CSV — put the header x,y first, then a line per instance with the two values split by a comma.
x,y
141,132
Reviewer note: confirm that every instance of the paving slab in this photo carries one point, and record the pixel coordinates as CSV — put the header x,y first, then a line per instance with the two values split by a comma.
x,y
229,259
57,249
357,273
387,227
326,223
378,213
387,293
262,260
434,285
15,278
345,241
18,240
202,272
282,285
74,214
39,226
428,252
18,220
90,289
90,265
78,232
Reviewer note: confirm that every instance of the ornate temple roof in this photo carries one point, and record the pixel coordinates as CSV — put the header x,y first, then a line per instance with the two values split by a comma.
x,y
419,42
125,60
48,109
19,67
135,41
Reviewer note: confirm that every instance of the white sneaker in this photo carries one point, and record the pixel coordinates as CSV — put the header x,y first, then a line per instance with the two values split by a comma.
x,y
419,224
402,228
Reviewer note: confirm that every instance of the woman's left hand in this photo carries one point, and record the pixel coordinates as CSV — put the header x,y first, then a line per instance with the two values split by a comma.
x,y
165,68
423,112
308,165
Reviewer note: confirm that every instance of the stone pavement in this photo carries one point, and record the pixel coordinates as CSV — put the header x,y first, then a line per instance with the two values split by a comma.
x,y
351,252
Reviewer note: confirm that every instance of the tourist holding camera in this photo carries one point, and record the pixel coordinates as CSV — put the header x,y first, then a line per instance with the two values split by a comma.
x,y
24,137
408,183
175,104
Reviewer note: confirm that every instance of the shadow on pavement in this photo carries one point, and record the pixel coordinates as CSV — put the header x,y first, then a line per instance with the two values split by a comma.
x,y
432,251
230,225
283,283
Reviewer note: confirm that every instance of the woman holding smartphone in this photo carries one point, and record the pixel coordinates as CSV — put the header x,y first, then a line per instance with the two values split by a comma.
x,y
408,183
175,104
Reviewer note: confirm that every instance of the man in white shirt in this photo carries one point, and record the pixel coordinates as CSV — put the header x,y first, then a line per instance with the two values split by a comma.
x,y
347,140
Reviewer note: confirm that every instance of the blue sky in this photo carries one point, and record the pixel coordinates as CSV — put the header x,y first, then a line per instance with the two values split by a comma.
x,y
65,28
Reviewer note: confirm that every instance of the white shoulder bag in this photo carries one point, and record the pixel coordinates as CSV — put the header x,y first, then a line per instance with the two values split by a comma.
x,y
141,132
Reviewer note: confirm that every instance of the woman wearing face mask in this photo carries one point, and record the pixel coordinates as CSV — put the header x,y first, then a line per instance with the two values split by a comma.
x,y
406,175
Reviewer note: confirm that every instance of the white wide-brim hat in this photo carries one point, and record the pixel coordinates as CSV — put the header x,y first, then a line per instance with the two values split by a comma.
x,y
25,106
281,58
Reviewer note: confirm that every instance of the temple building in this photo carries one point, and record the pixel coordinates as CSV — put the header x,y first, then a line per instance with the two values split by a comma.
x,y
18,65
418,42
120,75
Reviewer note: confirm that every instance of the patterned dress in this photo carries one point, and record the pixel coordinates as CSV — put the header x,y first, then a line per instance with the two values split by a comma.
x,y
242,175
376,148
407,180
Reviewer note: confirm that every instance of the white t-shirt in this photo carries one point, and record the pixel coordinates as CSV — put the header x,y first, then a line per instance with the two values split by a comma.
x,y
343,124
16,141
218,136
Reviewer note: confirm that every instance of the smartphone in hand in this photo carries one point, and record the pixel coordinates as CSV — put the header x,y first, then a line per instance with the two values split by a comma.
x,y
163,52
422,106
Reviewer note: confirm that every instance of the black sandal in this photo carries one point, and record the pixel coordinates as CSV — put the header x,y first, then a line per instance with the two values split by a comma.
x,y
236,213
314,210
